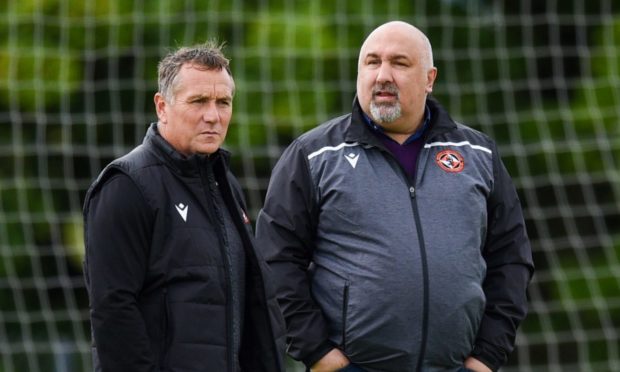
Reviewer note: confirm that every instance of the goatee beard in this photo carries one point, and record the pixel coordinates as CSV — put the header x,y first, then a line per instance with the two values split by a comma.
x,y
385,113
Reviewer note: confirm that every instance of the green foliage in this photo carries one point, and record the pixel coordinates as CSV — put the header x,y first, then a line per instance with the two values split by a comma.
x,y
36,77
35,73
598,91
76,74
289,39
73,238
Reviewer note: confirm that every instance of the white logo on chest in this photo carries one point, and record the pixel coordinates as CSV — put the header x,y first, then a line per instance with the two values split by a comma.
x,y
352,158
182,209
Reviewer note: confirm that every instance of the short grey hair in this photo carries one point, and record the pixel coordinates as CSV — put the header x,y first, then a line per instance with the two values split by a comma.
x,y
207,56
428,59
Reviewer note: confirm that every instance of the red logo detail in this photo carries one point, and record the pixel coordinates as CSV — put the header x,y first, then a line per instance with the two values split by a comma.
x,y
246,220
450,161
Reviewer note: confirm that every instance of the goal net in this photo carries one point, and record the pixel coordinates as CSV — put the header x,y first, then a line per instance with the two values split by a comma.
x,y
541,77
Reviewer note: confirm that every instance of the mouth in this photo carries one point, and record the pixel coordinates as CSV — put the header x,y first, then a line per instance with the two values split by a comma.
x,y
385,93
385,98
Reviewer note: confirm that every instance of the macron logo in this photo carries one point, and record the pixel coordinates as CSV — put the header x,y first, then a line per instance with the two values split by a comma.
x,y
182,209
352,158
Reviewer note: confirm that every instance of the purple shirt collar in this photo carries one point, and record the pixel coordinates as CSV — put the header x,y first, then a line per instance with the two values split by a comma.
x,y
407,153
376,128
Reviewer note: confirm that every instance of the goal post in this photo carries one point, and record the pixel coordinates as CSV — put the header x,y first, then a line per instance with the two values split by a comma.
x,y
542,78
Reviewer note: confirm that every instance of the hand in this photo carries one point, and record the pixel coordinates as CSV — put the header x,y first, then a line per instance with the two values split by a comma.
x,y
476,365
331,362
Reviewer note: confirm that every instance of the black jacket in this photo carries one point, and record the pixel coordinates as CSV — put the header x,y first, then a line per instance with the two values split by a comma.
x,y
406,275
157,269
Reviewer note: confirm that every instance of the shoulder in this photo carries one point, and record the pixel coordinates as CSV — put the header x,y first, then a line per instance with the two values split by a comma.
x,y
330,132
115,197
474,135
140,163
118,190
449,132
445,128
140,157
130,166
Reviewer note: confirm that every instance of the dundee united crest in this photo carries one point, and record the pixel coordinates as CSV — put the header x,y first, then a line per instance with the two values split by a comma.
x,y
450,161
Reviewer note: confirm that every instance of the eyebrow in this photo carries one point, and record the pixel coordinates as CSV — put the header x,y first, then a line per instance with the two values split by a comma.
x,y
390,57
206,96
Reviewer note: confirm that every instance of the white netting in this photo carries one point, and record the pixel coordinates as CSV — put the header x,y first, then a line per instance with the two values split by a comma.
x,y
541,77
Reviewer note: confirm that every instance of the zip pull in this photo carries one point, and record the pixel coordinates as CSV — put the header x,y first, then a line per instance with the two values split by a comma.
x,y
412,192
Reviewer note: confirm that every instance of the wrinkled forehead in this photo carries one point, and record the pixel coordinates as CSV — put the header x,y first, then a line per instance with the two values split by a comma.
x,y
392,40
206,83
195,77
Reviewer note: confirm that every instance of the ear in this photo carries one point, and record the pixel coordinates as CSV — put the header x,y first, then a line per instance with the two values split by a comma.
x,y
161,107
431,75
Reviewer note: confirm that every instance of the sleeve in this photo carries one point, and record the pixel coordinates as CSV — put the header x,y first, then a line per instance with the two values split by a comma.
x,y
285,232
118,226
508,256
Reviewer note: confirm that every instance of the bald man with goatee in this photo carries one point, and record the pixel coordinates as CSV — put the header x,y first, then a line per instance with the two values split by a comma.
x,y
394,232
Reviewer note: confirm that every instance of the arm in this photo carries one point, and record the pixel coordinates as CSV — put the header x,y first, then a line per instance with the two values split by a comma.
x,y
508,256
476,365
285,232
118,230
333,361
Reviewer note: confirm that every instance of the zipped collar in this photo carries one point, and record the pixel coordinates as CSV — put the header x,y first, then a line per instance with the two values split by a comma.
x,y
179,163
358,130
380,131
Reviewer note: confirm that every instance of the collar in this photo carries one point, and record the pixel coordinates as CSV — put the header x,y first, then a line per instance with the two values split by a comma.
x,y
357,131
381,131
186,165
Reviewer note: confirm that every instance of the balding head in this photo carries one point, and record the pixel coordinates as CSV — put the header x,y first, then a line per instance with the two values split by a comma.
x,y
406,30
395,74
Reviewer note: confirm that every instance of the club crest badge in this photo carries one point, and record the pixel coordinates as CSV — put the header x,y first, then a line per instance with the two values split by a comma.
x,y
450,161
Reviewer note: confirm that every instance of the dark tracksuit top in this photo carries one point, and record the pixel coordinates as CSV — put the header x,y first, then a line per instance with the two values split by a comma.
x,y
173,278
400,274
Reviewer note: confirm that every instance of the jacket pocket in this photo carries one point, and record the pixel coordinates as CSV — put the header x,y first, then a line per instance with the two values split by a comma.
x,y
166,338
345,310
331,292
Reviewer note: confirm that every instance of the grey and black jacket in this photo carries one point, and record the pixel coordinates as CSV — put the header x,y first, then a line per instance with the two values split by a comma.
x,y
400,274
158,268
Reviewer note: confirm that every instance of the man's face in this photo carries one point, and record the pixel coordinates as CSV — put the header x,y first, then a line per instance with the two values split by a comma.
x,y
394,77
195,119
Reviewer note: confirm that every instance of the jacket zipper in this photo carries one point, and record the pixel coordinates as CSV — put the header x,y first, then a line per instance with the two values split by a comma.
x,y
423,258
418,224
217,218
425,284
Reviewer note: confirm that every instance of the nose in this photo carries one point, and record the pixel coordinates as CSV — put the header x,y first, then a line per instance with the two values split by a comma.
x,y
385,73
210,113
